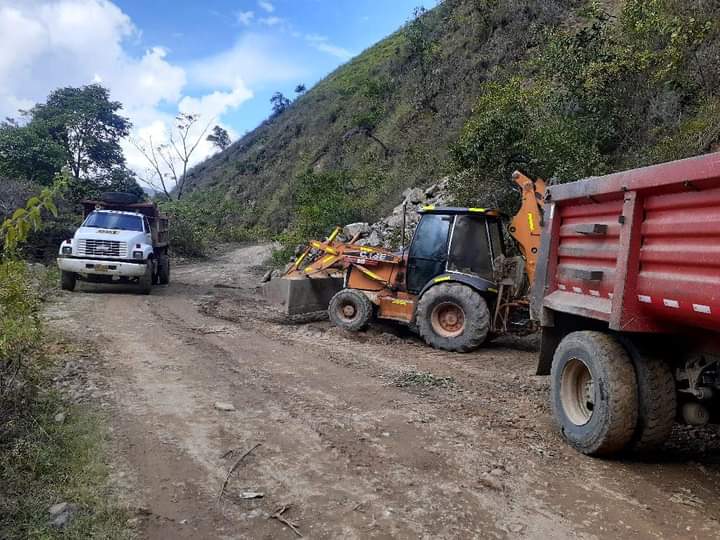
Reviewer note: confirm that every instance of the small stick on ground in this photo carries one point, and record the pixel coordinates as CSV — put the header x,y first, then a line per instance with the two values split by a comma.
x,y
232,469
278,515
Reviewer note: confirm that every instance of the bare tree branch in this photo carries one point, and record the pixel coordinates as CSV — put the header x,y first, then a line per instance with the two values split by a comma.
x,y
170,161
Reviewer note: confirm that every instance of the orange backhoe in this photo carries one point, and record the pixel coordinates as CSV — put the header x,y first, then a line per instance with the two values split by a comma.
x,y
457,284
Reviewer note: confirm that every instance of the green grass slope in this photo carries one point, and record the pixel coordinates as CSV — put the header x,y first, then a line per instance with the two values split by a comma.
x,y
558,88
389,114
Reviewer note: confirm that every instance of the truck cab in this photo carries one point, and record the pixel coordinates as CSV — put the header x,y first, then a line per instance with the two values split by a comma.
x,y
117,243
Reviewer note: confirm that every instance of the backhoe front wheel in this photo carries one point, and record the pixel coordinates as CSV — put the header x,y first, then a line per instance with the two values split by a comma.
x,y
350,309
453,317
594,393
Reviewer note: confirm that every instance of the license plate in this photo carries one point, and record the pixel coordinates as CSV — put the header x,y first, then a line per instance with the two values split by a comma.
x,y
101,268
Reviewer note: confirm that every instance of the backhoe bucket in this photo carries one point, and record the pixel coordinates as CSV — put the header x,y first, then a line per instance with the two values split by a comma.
x,y
299,295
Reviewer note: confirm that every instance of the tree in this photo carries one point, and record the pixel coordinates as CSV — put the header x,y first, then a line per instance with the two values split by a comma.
x,y
300,89
86,123
29,153
279,103
168,162
219,137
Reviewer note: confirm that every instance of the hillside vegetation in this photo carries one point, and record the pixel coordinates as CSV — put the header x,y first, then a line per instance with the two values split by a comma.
x,y
559,88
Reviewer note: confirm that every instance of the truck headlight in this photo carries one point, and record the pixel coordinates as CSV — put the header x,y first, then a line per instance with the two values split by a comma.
x,y
137,255
67,250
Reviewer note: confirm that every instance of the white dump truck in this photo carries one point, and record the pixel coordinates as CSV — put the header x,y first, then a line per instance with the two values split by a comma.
x,y
121,240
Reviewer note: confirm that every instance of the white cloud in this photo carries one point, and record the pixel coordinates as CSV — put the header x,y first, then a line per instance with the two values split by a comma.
x,y
46,44
253,59
322,43
245,17
215,104
272,21
266,6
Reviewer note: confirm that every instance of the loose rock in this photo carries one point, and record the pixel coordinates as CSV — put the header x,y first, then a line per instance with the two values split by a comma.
x,y
221,406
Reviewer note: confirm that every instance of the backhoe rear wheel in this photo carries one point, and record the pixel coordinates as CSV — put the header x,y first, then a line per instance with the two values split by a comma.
x,y
453,317
351,310
594,393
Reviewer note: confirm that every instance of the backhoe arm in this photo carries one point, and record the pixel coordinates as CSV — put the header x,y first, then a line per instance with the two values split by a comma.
x,y
526,226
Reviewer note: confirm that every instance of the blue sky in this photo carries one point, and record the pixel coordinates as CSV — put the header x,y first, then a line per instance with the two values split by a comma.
x,y
198,30
221,59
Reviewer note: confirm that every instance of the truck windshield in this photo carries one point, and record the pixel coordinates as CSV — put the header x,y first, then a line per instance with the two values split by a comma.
x,y
123,222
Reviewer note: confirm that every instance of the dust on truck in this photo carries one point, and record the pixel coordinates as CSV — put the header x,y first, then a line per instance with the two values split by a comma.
x,y
628,297
120,241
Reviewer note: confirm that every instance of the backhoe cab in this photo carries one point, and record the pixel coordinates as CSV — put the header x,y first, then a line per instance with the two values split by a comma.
x,y
456,283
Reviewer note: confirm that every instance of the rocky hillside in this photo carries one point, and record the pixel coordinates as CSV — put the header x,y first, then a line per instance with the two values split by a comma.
x,y
476,88
391,113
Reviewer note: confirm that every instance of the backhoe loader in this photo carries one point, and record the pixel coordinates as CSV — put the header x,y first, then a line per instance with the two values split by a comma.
x,y
457,284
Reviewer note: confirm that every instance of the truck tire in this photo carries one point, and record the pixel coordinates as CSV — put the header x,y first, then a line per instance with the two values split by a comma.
x,y
657,400
117,197
351,310
594,393
453,317
164,269
145,282
68,280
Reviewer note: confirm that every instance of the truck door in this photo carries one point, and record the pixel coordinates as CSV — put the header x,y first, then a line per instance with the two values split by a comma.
x,y
428,251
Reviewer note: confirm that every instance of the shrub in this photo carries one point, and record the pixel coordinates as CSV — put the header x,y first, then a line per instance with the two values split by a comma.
x,y
323,200
19,323
204,218
609,93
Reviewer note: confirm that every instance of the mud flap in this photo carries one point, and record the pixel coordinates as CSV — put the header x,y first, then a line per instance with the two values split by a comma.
x,y
302,295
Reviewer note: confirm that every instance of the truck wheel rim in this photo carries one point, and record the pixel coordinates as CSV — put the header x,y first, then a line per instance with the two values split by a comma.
x,y
577,392
448,319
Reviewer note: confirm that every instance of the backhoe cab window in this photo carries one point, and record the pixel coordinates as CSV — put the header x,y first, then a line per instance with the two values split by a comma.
x,y
123,222
431,237
470,249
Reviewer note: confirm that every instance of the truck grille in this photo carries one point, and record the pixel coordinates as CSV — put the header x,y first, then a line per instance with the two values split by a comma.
x,y
103,248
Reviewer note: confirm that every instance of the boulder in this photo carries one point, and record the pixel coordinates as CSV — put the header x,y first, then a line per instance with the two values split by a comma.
x,y
353,229
413,195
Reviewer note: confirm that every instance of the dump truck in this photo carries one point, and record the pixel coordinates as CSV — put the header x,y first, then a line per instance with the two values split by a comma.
x,y
628,299
458,284
121,240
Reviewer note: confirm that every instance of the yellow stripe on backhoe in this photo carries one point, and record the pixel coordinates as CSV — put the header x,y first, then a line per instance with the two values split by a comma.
x,y
334,234
531,222
369,273
300,259
441,279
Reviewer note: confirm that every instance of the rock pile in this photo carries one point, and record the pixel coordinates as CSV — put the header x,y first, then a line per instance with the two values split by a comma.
x,y
387,232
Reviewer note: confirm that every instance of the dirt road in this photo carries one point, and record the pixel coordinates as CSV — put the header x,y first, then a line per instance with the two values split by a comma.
x,y
361,436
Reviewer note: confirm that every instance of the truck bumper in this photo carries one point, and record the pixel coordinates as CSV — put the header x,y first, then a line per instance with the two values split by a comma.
x,y
101,268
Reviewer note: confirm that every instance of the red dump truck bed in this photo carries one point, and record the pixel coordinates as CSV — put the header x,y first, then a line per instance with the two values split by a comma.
x,y
639,249
628,296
